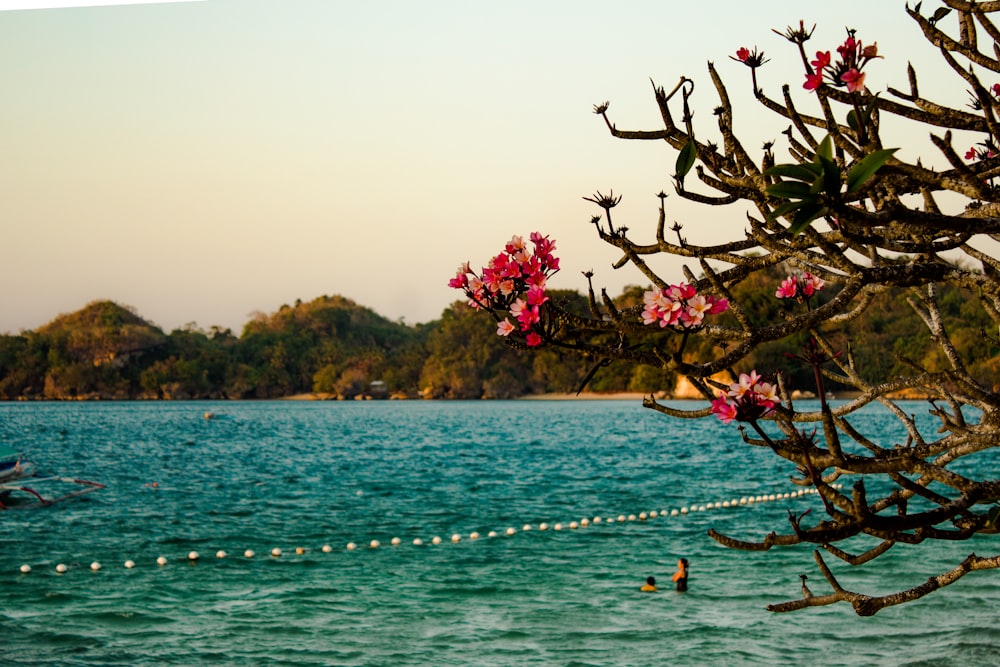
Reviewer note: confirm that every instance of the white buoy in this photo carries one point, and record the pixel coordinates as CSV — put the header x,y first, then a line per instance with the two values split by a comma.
x,y
621,517
573,525
193,556
725,503
395,541
643,516
597,519
543,526
526,526
558,526
456,538
674,512
709,506
25,569
684,510
584,522
701,508
275,552
511,531
129,564
435,540
60,568
610,519
654,514
161,561
95,566
492,533
417,542
220,554
473,535
351,546
249,553
631,517
374,544
327,548
300,550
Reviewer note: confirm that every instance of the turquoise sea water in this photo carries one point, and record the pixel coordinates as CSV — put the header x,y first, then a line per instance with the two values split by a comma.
x,y
290,474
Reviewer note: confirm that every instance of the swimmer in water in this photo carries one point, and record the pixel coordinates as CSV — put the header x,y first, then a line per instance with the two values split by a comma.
x,y
681,575
649,586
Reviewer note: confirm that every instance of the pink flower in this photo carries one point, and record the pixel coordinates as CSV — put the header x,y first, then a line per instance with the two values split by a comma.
x,y
746,383
679,305
848,49
811,284
746,400
971,153
536,296
813,81
533,339
822,60
742,54
525,314
766,395
788,288
719,305
650,314
505,328
996,89
515,244
723,409
854,79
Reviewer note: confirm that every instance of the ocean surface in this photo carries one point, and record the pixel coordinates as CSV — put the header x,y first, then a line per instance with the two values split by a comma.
x,y
287,475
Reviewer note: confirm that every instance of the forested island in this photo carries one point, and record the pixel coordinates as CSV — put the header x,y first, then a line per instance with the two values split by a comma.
x,y
332,347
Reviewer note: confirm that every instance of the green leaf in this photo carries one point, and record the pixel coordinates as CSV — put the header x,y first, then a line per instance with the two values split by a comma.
x,y
784,209
831,176
825,149
866,167
852,120
685,159
789,190
808,212
994,350
801,172
939,14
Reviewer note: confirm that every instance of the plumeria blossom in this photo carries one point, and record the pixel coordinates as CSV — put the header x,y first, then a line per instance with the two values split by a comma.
x,y
512,285
846,71
752,59
986,150
680,307
747,399
799,286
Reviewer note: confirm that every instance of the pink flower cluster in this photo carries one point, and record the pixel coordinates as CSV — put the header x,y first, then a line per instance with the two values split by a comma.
x,y
804,285
746,400
846,71
513,282
988,150
680,306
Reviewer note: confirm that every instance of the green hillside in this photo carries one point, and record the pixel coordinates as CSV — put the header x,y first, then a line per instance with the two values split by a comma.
x,y
335,348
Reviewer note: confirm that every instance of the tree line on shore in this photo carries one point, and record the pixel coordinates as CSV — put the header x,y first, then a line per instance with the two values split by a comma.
x,y
336,348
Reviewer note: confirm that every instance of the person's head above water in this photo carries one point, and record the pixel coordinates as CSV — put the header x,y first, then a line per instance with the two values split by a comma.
x,y
651,581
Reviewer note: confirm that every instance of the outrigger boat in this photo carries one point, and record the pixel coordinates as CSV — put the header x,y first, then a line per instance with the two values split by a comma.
x,y
16,473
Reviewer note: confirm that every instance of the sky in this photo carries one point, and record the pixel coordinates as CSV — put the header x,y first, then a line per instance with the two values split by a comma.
x,y
203,162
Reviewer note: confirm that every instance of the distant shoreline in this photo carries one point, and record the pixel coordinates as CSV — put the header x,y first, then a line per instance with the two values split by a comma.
x,y
583,396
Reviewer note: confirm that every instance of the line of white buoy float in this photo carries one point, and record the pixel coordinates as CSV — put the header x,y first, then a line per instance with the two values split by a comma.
x,y
194,556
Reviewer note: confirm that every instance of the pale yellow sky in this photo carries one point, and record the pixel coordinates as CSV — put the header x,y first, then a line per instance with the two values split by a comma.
x,y
200,161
